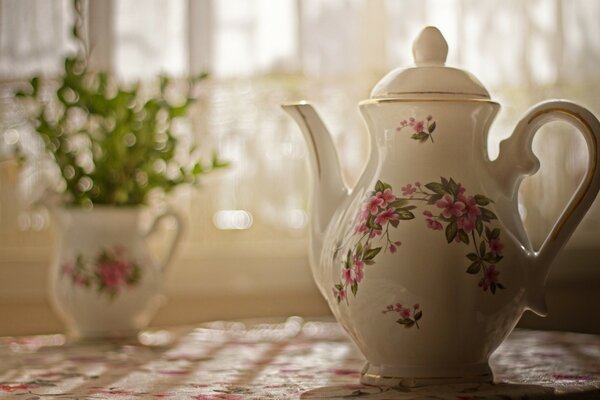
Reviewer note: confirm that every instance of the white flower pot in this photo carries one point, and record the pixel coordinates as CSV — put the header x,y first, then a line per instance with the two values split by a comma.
x,y
103,280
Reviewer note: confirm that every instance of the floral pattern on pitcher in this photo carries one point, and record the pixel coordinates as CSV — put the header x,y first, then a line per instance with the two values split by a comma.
x,y
462,218
422,130
407,316
109,272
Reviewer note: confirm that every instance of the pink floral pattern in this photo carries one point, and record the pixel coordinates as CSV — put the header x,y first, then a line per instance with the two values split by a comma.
x,y
407,316
422,130
463,218
379,212
109,272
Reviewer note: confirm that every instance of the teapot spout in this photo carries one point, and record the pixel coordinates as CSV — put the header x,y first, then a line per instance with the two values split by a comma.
x,y
329,190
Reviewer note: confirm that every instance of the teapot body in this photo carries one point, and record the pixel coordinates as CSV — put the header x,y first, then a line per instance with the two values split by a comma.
x,y
423,265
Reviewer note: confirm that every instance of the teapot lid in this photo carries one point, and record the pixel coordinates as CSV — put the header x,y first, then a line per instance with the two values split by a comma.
x,y
429,78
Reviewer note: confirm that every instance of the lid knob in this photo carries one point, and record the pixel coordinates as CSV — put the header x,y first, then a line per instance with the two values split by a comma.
x,y
430,47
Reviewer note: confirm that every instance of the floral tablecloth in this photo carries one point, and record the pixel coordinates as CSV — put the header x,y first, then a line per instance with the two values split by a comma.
x,y
287,360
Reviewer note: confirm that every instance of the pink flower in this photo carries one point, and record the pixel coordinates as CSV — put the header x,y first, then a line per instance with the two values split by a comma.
x,y
358,263
358,271
450,208
429,117
408,190
466,224
398,307
387,215
111,275
433,224
392,248
417,306
405,313
461,189
375,233
348,276
490,276
339,294
496,247
361,228
373,204
398,243
419,126
386,197
472,210
427,213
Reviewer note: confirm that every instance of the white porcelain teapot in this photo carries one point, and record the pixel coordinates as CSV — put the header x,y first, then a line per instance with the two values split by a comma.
x,y
426,263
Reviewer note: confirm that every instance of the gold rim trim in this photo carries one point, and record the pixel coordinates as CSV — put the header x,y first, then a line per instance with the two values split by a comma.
x,y
592,167
478,95
449,100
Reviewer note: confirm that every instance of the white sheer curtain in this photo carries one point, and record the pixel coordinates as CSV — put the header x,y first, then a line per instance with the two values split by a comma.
x,y
261,53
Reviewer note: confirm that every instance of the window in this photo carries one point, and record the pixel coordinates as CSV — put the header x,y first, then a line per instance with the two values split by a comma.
x,y
247,225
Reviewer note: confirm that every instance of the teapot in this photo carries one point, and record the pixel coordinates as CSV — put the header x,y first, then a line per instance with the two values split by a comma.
x,y
426,263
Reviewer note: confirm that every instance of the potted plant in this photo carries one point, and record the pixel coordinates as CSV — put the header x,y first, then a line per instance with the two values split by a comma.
x,y
114,146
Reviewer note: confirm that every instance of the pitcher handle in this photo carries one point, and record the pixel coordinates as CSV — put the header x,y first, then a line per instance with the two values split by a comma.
x,y
520,146
168,213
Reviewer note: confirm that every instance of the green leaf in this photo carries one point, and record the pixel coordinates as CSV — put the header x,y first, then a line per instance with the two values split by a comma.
x,y
453,187
473,257
431,127
420,136
434,198
398,203
479,226
359,250
379,187
418,315
482,247
436,188
451,231
493,288
495,234
487,215
371,253
463,236
405,215
481,200
354,288
474,268
394,223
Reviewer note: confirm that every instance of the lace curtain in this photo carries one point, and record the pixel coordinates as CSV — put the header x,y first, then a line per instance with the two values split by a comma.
x,y
261,53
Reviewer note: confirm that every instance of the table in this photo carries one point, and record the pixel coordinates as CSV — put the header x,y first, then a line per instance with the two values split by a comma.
x,y
268,360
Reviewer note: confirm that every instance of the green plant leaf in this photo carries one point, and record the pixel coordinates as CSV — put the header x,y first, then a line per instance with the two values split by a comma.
x,y
481,200
405,215
474,268
451,231
431,127
436,188
473,257
371,253
354,288
418,315
463,236
482,247
479,226
487,215
379,187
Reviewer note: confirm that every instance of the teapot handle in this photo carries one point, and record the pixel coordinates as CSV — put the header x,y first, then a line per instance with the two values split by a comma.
x,y
168,213
519,145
